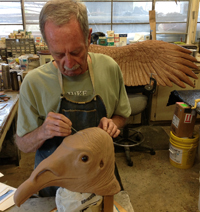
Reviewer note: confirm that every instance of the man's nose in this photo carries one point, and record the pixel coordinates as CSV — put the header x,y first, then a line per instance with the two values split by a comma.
x,y
69,61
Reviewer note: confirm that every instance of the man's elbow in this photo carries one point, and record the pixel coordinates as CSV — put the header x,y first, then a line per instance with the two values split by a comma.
x,y
20,144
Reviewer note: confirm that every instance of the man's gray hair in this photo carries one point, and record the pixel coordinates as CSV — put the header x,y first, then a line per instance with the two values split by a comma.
x,y
61,12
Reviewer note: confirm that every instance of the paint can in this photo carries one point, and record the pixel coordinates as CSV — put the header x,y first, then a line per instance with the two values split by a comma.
x,y
182,151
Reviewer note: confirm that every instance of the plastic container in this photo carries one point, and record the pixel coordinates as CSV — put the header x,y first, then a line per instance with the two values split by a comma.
x,y
182,151
45,56
23,61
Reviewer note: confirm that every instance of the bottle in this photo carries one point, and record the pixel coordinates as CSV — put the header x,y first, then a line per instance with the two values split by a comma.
x,y
6,76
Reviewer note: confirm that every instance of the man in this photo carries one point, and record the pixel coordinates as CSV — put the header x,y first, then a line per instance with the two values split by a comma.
x,y
75,91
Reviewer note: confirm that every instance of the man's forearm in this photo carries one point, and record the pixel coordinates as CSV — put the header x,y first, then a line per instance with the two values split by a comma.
x,y
30,142
119,121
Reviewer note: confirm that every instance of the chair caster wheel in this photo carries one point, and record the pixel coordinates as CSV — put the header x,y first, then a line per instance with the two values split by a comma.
x,y
130,163
152,152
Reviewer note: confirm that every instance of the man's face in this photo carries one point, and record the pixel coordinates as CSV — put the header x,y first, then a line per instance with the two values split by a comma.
x,y
67,46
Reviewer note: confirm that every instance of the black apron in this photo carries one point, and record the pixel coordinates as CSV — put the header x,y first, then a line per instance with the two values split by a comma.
x,y
83,111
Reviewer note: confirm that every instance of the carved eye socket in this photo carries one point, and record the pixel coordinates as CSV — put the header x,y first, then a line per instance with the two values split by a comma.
x,y
101,164
84,158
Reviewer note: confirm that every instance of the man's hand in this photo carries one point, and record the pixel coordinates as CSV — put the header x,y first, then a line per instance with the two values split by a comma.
x,y
109,126
56,124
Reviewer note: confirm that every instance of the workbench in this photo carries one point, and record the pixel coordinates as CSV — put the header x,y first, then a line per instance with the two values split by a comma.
x,y
8,114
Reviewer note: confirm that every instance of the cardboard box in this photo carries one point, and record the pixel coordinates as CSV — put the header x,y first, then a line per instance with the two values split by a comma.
x,y
116,40
110,41
102,41
123,39
110,33
183,120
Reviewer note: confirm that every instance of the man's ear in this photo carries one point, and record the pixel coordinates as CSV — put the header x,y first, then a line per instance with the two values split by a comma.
x,y
89,36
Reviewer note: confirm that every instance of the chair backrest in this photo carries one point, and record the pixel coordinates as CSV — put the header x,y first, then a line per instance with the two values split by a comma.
x,y
138,103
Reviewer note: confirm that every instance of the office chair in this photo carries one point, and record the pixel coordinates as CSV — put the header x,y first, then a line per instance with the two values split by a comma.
x,y
140,98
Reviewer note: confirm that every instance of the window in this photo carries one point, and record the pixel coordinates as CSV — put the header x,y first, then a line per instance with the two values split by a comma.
x,y
122,16
32,11
171,20
197,37
133,17
10,17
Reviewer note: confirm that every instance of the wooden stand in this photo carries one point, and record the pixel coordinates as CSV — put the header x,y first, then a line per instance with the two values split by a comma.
x,y
108,203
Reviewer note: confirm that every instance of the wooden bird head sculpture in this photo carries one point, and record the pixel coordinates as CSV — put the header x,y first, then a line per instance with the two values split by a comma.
x,y
84,162
167,62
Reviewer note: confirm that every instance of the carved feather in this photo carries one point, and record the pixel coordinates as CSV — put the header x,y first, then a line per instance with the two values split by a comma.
x,y
168,62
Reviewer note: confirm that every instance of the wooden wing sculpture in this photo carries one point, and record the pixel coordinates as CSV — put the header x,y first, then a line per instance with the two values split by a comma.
x,y
167,62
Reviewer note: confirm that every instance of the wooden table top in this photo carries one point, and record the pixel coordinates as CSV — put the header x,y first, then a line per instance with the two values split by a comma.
x,y
8,110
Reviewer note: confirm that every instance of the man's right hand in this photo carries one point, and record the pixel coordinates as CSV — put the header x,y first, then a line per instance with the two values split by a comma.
x,y
56,124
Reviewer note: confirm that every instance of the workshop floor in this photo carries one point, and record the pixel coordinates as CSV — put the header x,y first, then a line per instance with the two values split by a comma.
x,y
153,184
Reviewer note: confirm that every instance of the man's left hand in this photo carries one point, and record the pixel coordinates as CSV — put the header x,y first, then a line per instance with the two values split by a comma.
x,y
109,126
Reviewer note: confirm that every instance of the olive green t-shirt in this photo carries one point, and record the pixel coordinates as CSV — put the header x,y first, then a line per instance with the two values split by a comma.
x,y
80,85
40,91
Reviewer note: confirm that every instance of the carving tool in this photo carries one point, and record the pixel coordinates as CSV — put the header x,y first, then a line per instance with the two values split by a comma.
x,y
74,129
